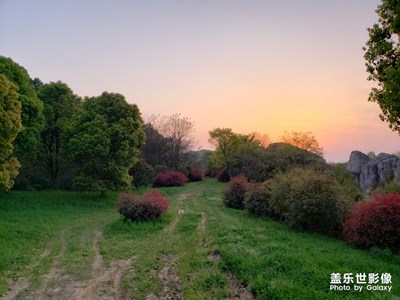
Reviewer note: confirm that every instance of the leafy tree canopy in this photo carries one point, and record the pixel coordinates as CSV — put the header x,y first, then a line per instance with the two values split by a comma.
x,y
382,55
303,140
105,141
27,140
10,120
60,108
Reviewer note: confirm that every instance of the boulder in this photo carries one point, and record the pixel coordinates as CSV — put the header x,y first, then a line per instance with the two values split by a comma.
x,y
373,172
356,161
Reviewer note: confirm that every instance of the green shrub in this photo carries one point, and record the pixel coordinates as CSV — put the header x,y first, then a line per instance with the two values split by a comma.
x,y
309,200
257,200
391,187
142,174
347,181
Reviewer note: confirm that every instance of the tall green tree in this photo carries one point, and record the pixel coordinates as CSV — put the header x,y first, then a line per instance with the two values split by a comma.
x,y
382,55
104,142
10,120
28,140
60,108
229,144
225,142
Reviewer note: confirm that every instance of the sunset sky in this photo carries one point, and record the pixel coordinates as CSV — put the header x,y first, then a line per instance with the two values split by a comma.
x,y
259,65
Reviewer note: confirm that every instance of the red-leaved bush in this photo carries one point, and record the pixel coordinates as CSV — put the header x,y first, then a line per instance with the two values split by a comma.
x,y
234,194
170,178
196,175
148,207
222,175
375,223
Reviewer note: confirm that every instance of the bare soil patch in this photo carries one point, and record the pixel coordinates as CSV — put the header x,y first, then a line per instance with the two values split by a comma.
x,y
170,280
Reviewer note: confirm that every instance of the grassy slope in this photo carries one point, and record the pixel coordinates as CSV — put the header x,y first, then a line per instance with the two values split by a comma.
x,y
276,262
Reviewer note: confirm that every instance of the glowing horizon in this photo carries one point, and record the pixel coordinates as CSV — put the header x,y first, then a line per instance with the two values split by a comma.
x,y
262,66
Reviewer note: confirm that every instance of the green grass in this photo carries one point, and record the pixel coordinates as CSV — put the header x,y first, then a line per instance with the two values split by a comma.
x,y
276,262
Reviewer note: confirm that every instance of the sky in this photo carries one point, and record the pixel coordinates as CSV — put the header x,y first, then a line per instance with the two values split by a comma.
x,y
257,65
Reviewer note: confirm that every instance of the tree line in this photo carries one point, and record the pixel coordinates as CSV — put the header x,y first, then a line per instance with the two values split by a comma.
x,y
53,138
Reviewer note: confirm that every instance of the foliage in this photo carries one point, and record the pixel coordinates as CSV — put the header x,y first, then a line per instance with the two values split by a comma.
x,y
225,142
142,173
303,140
234,194
178,133
10,120
309,200
257,200
375,223
389,187
228,144
222,175
169,178
148,207
347,181
382,55
60,108
196,175
263,139
155,148
104,142
284,157
27,141
255,163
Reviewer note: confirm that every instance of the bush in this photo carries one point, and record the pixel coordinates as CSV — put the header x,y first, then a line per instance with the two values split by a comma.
x,y
375,223
196,175
222,175
347,180
257,199
148,207
309,200
234,194
255,163
391,187
170,178
142,174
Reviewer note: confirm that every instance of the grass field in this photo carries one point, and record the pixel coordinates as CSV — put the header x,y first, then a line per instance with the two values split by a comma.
x,y
65,245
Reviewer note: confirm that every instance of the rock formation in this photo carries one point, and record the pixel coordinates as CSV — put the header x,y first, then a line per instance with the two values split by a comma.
x,y
373,172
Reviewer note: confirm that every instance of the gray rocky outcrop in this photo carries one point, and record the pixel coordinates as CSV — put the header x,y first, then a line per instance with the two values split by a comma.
x,y
373,172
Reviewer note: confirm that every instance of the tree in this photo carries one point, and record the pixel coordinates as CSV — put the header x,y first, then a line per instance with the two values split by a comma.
x,y
60,107
10,120
179,134
104,143
154,151
382,55
263,139
28,139
304,140
229,144
225,141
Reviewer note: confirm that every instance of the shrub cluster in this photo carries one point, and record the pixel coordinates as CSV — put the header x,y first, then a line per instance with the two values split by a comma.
x,y
222,175
142,173
257,200
234,194
196,175
170,178
375,223
148,207
305,199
